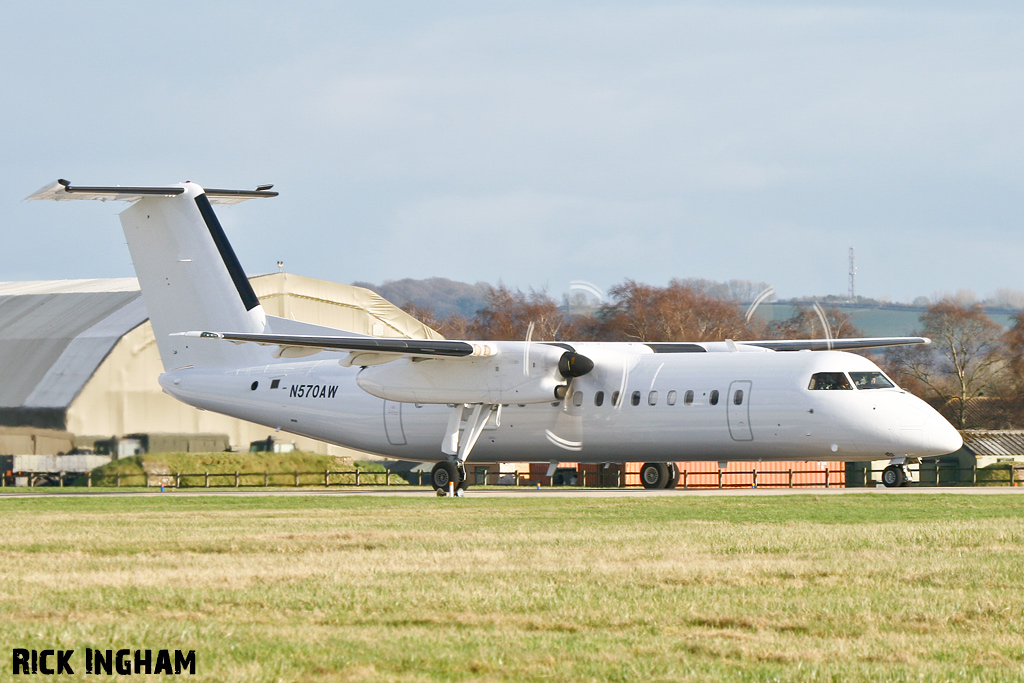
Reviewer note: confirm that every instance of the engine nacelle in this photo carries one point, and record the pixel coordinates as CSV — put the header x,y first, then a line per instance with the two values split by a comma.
x,y
519,372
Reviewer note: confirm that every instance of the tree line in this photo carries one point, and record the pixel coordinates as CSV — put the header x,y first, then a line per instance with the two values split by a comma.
x,y
973,372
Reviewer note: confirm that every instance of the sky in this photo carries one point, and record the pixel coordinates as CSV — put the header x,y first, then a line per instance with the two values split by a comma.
x,y
534,143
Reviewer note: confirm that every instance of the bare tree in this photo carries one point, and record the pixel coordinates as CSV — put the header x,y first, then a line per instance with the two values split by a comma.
x,y
509,314
643,312
452,326
964,361
805,323
733,290
1013,341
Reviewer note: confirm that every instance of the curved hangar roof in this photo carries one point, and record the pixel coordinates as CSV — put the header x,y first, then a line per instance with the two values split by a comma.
x,y
55,334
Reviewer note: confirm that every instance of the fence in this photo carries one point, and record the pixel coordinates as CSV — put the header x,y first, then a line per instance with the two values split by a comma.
x,y
235,479
929,476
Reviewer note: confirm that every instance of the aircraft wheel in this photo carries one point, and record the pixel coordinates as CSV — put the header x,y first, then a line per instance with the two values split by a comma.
x,y
444,472
463,478
893,476
673,476
654,475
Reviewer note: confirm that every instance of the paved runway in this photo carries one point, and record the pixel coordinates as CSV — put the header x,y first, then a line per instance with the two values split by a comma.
x,y
494,492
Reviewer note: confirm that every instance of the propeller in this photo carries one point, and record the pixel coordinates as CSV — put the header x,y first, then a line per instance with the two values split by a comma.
x,y
758,300
567,432
824,323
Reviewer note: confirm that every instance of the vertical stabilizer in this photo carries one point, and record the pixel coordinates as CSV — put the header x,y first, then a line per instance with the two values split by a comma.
x,y
190,278
189,274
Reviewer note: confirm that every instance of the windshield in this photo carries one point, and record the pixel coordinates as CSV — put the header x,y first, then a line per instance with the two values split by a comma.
x,y
826,381
871,380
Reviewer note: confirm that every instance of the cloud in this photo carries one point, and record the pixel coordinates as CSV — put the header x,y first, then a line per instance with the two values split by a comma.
x,y
595,141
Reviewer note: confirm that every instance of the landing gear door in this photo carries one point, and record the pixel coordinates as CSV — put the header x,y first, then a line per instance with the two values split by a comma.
x,y
393,423
737,407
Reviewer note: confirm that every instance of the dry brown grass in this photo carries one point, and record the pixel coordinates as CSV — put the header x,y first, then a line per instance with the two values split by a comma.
x,y
677,588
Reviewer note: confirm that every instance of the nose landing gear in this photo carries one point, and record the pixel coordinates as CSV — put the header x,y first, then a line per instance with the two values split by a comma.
x,y
894,475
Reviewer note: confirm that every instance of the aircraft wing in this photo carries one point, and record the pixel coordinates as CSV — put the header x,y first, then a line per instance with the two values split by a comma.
x,y
439,348
444,348
834,344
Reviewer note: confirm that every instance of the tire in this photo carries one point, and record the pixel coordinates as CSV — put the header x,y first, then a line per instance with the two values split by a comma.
x,y
892,476
654,475
443,472
673,476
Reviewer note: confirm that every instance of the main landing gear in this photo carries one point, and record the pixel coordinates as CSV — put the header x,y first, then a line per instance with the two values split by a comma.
x,y
659,475
465,424
447,472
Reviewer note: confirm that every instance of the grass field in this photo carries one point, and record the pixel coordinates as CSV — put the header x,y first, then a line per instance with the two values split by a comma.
x,y
677,588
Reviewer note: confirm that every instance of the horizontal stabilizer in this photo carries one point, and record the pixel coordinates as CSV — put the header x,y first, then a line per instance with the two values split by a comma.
x,y
835,344
62,190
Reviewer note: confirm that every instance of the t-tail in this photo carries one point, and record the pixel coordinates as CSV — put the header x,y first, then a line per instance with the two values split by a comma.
x,y
188,272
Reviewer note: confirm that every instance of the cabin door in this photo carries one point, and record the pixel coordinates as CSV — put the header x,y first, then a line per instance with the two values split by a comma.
x,y
737,408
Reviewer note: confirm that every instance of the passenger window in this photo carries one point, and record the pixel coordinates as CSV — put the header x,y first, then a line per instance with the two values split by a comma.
x,y
652,398
599,398
688,397
829,381
577,399
635,398
713,399
737,398
671,398
615,398
871,380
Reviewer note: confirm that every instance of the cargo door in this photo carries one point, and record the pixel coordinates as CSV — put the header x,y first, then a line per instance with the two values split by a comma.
x,y
393,423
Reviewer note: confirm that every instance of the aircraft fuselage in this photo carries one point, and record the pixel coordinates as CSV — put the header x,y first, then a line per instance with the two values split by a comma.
x,y
636,405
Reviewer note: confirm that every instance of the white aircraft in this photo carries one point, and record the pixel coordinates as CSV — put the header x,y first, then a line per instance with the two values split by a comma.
x,y
454,402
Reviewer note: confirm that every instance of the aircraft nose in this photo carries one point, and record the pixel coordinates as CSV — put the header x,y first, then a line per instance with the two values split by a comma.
x,y
924,432
943,438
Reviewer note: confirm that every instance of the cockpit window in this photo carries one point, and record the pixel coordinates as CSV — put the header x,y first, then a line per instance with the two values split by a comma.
x,y
871,380
825,381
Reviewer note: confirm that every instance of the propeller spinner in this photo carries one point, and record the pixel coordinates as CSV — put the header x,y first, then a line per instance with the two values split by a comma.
x,y
573,364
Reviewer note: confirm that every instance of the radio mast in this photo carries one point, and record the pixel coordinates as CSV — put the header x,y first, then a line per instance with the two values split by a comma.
x,y
853,276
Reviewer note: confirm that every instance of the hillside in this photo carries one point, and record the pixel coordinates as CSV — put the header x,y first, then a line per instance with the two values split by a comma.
x,y
442,296
874,321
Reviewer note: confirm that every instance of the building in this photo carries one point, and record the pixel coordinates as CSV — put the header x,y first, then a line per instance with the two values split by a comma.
x,y
988,447
79,363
